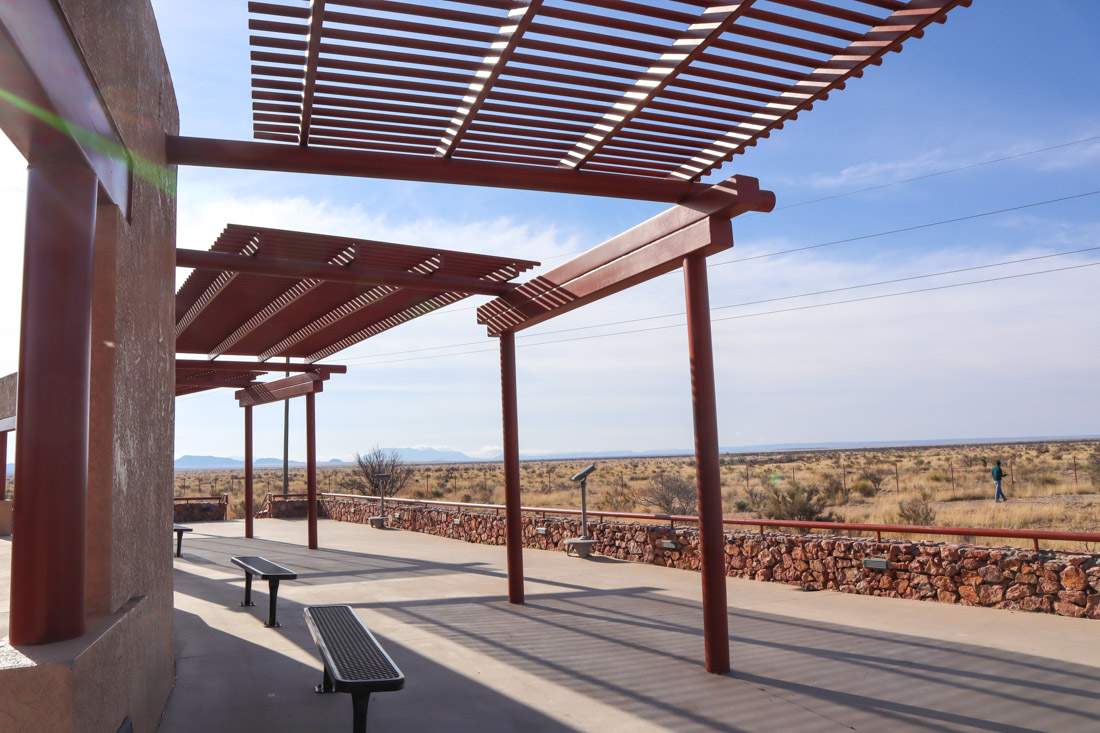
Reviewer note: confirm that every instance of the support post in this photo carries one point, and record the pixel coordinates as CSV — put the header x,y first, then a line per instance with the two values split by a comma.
x,y
311,468
513,523
4,465
711,536
48,559
248,510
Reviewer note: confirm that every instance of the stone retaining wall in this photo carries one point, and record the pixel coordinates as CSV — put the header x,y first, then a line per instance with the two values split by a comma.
x,y
199,511
998,577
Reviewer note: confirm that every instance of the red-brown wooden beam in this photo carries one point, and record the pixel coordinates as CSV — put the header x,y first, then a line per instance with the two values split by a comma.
x,y
274,157
545,298
316,21
281,389
708,475
248,510
365,276
213,382
48,554
654,247
50,107
513,520
311,469
256,366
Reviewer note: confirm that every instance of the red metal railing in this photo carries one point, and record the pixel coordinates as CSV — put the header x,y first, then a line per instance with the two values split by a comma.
x,y
1027,534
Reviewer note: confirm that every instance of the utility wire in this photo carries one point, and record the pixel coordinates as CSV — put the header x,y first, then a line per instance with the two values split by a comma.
x,y
931,175
751,302
907,229
879,234
899,182
754,315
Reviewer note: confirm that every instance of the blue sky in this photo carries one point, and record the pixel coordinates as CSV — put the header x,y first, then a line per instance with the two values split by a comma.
x,y
1016,357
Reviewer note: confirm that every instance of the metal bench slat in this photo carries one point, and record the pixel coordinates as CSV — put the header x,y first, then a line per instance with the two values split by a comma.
x,y
354,657
264,568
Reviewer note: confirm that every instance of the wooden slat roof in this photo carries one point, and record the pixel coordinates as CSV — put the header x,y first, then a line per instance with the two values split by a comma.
x,y
241,313
663,89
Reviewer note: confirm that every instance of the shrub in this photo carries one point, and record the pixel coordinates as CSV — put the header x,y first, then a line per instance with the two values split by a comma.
x,y
741,505
798,502
832,489
864,488
874,475
670,494
617,499
918,510
1092,467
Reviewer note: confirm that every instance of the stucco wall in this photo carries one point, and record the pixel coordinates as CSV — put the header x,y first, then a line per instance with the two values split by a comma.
x,y
123,666
8,387
1049,581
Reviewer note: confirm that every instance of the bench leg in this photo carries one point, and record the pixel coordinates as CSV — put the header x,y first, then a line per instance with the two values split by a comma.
x,y
248,590
326,685
359,702
273,594
179,544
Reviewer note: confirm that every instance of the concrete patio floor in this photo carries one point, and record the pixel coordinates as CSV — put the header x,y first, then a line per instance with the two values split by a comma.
x,y
601,645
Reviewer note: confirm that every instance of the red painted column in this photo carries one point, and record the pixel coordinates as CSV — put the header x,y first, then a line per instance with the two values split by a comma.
x,y
311,469
711,535
3,465
513,523
248,511
51,457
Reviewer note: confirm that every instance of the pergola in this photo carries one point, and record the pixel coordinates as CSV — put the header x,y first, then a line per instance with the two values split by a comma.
x,y
600,97
268,293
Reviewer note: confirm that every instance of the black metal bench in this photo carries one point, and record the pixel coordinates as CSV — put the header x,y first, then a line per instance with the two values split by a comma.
x,y
179,529
353,659
264,570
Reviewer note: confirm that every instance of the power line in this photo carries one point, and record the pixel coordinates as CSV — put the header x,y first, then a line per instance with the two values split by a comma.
x,y
931,175
754,302
913,228
841,195
754,315
899,182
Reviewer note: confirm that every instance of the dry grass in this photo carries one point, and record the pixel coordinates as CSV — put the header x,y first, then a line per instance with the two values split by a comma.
x,y
1041,488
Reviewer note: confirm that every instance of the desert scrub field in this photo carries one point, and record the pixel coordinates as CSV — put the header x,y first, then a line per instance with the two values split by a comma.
x,y
935,485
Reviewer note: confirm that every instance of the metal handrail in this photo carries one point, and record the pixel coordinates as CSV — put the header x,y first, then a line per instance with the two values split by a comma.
x,y
223,499
1031,534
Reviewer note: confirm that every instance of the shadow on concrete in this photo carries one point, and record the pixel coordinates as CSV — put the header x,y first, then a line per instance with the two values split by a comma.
x,y
636,649
226,683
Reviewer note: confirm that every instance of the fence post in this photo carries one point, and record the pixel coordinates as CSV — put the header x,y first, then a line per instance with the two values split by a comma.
x,y
897,478
1075,470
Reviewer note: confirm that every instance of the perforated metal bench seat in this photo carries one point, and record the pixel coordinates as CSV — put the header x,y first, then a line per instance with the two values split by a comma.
x,y
263,569
353,660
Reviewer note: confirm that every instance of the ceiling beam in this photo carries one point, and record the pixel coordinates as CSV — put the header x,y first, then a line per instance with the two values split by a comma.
x,y
212,153
712,23
253,366
50,106
485,77
281,389
296,292
313,51
365,276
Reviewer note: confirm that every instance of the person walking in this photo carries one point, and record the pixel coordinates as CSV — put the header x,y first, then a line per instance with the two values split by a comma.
x,y
998,476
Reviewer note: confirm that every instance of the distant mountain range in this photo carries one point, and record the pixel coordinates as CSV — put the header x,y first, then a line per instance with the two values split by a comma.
x,y
434,455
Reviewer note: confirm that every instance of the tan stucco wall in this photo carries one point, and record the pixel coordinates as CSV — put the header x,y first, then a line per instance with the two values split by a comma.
x,y
124,666
8,387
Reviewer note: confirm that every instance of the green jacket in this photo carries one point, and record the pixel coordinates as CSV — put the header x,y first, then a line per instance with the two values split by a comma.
x,y
998,473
